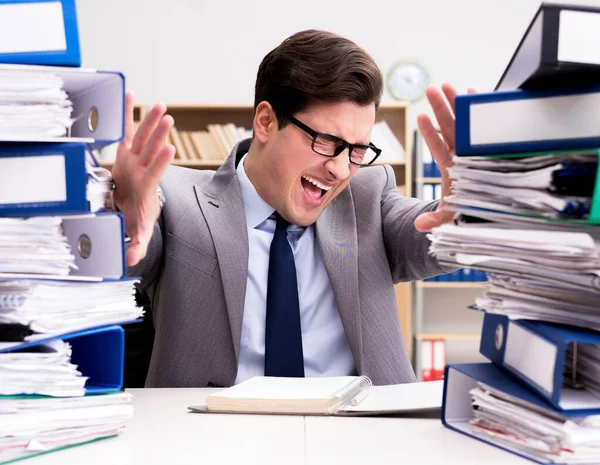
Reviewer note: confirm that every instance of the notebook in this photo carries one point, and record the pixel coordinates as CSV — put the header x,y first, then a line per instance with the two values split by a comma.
x,y
339,395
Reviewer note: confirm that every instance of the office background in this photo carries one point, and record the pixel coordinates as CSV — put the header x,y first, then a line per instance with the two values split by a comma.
x,y
207,52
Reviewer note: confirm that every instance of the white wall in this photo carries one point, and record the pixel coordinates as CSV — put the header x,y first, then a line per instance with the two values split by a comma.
x,y
206,51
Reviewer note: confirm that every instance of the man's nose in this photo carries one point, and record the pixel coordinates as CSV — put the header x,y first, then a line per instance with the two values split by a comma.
x,y
339,167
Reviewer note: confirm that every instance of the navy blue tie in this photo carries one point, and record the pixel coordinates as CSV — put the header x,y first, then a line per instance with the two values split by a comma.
x,y
283,337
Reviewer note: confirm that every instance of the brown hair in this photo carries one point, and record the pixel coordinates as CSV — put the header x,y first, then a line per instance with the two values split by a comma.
x,y
316,66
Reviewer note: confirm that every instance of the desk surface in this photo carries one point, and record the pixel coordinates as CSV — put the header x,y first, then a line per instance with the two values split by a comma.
x,y
163,431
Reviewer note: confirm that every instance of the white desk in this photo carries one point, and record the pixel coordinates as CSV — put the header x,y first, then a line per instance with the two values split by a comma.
x,y
163,431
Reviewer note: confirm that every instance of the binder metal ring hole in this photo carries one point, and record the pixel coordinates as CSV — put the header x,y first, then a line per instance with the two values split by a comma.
x,y
84,246
92,120
499,336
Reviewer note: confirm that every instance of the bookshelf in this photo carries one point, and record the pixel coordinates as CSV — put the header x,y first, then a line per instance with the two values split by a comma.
x,y
454,324
198,117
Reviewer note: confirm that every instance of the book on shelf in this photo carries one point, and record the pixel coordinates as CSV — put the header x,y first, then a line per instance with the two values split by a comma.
x,y
213,144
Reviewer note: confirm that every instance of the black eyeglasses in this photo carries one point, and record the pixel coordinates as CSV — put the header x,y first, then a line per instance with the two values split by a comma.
x,y
331,146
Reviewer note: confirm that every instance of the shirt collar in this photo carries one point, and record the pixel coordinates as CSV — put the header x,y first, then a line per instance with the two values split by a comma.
x,y
256,209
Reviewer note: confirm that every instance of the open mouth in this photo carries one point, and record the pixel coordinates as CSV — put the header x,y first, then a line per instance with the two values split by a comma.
x,y
313,188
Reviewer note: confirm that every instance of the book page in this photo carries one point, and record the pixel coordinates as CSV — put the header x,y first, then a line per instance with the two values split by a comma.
x,y
398,398
276,388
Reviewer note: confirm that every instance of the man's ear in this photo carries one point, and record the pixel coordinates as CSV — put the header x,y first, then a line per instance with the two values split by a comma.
x,y
265,122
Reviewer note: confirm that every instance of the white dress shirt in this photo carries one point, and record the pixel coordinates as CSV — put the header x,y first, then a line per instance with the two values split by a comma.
x,y
325,346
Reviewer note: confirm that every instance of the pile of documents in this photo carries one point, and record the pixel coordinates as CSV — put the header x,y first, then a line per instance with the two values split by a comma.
x,y
49,307
526,198
35,425
33,105
542,433
99,186
45,369
64,287
34,245
556,185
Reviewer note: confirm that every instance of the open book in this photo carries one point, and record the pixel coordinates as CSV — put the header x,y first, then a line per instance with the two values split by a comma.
x,y
343,395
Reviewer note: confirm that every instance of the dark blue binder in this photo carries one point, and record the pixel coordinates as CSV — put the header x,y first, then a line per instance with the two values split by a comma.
x,y
98,242
58,42
42,179
98,100
457,410
539,62
513,112
97,352
535,352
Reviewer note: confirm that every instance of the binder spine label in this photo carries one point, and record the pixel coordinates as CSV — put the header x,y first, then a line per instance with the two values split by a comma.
x,y
33,179
531,355
32,27
579,29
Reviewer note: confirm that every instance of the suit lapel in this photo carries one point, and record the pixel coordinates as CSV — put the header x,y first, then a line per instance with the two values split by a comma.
x,y
337,238
222,206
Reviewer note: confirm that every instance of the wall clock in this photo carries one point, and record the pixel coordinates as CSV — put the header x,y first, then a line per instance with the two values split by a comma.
x,y
407,81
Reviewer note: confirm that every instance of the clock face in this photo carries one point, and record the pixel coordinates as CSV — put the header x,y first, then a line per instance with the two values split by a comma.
x,y
407,81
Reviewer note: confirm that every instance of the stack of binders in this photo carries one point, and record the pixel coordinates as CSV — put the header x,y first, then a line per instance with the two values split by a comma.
x,y
526,197
64,289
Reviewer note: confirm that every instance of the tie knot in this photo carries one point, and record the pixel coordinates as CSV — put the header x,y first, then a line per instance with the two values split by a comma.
x,y
282,223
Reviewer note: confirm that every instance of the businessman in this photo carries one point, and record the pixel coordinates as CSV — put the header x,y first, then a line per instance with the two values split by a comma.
x,y
283,261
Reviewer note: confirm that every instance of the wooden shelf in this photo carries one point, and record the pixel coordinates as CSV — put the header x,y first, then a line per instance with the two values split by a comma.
x,y
451,284
429,180
449,336
196,117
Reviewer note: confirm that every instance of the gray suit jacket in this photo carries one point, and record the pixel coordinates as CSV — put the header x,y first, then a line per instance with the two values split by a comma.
x,y
196,267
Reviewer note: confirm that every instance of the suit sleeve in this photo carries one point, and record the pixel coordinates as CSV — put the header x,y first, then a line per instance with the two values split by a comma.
x,y
149,268
407,249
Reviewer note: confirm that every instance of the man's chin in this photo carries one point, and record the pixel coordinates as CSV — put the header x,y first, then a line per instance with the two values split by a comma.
x,y
304,217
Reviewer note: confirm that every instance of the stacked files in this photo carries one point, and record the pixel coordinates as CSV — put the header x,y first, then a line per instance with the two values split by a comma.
x,y
45,369
33,105
64,288
570,259
44,307
482,401
551,186
526,198
62,392
54,423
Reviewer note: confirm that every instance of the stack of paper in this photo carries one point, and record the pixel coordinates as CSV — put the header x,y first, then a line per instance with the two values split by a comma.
x,y
541,433
476,218
99,186
533,299
550,186
583,365
526,195
64,287
55,307
44,370
558,257
33,105
29,426
34,245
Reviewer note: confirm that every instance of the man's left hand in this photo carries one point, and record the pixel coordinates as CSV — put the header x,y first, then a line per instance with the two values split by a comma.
x,y
441,144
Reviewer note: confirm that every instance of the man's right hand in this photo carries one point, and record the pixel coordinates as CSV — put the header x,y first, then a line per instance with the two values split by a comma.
x,y
142,158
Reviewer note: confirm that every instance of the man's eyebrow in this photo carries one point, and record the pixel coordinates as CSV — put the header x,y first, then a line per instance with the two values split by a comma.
x,y
342,139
